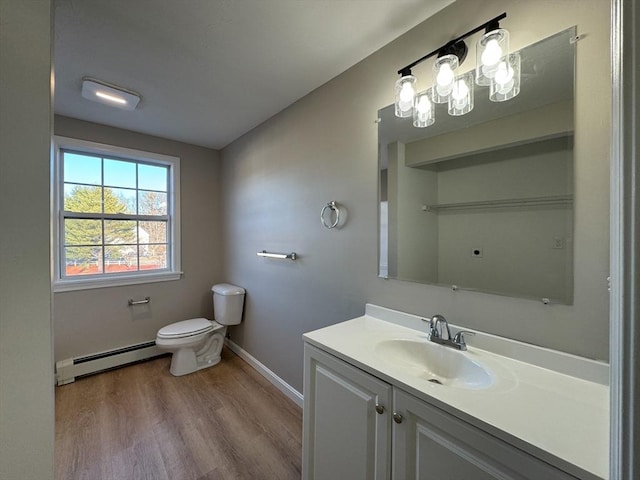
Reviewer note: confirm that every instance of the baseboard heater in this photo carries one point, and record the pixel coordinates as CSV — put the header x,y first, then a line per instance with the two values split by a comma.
x,y
71,368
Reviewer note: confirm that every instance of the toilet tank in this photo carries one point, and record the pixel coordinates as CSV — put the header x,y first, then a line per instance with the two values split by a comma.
x,y
228,301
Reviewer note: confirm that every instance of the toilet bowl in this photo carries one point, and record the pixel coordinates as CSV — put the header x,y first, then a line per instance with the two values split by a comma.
x,y
197,343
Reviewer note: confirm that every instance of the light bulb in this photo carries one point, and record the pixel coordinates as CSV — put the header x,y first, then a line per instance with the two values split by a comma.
x,y
504,73
445,75
406,96
461,99
490,50
423,107
423,114
444,80
492,53
460,93
506,82
460,90
504,77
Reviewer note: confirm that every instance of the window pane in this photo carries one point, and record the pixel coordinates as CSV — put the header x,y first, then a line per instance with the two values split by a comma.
x,y
118,173
125,197
120,258
120,232
119,200
83,260
152,177
153,232
82,168
82,232
78,198
152,203
153,257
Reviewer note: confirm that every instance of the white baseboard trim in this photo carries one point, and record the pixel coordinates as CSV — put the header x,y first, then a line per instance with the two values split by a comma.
x,y
280,384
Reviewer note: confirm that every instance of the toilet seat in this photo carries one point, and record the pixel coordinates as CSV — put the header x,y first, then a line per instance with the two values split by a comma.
x,y
187,328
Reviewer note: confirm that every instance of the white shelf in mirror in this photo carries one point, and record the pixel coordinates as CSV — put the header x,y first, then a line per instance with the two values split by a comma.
x,y
546,201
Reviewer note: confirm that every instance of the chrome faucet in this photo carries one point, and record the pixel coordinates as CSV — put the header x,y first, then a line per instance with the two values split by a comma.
x,y
435,328
439,332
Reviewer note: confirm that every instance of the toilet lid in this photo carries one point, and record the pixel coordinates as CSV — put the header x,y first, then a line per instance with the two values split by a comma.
x,y
186,328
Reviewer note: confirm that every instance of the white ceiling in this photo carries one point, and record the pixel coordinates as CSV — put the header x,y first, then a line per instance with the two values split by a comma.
x,y
211,70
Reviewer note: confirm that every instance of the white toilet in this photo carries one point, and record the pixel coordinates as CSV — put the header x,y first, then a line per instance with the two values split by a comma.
x,y
197,343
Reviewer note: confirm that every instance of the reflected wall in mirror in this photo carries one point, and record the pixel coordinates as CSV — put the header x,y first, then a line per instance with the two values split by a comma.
x,y
485,201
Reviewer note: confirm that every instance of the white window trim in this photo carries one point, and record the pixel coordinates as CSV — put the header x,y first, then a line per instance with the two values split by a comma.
x,y
61,284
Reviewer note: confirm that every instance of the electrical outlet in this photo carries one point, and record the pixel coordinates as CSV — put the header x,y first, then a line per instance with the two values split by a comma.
x,y
476,252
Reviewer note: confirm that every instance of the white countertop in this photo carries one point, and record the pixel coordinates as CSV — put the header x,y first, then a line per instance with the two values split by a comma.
x,y
557,417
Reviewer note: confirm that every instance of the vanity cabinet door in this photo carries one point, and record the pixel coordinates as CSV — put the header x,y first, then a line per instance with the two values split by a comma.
x,y
346,421
429,444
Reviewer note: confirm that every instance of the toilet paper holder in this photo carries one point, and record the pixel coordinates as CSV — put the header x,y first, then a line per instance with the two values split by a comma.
x,y
132,302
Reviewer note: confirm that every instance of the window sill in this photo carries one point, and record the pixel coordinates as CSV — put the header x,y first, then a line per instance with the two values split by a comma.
x,y
115,281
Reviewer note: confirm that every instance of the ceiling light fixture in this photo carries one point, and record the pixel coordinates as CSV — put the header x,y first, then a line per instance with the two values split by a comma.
x,y
109,94
495,67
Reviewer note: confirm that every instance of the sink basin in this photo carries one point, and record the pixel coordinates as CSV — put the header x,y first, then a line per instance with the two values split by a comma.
x,y
435,363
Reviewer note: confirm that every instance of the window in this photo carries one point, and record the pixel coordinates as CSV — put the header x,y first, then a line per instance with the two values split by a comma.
x,y
117,220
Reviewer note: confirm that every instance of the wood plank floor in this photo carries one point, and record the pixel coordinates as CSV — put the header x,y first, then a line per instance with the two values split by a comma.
x,y
140,422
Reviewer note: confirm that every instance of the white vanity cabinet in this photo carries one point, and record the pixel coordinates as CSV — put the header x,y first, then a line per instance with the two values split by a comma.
x,y
346,423
357,426
430,444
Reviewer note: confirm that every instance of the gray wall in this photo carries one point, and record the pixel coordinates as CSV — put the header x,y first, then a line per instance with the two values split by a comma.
x,y
518,256
89,321
278,176
26,369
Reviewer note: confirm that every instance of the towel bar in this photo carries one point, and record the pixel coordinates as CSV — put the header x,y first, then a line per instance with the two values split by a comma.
x,y
281,256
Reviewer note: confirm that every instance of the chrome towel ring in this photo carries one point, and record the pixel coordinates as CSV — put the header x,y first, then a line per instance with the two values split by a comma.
x,y
332,206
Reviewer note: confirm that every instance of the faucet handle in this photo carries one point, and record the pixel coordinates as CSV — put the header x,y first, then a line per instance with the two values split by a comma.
x,y
459,338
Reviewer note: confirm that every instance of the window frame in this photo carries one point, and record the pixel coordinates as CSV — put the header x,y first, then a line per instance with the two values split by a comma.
x,y
173,271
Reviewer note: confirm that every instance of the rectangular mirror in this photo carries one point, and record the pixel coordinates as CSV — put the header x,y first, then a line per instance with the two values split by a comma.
x,y
484,201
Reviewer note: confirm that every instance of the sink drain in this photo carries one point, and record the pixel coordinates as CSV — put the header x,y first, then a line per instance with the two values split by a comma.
x,y
435,380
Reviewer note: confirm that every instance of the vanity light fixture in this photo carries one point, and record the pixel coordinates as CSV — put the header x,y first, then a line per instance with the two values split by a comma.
x,y
109,94
495,67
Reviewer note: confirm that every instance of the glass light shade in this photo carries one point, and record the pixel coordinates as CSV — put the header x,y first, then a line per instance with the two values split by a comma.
x,y
424,109
461,98
506,82
444,73
405,94
490,50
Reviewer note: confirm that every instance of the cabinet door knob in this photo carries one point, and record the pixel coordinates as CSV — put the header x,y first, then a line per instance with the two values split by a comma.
x,y
397,417
379,408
